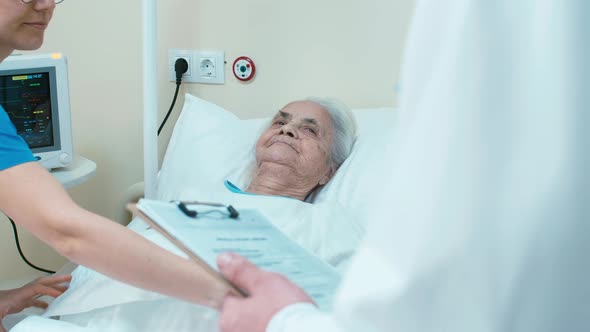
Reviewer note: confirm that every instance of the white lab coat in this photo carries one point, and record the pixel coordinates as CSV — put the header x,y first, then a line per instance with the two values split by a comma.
x,y
487,227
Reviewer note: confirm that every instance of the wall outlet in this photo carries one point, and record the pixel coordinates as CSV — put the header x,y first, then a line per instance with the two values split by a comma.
x,y
174,55
207,67
203,66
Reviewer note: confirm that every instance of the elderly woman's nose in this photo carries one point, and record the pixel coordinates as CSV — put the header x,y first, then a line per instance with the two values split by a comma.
x,y
289,131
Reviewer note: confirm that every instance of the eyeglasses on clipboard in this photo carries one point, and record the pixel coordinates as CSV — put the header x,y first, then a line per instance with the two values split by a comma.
x,y
182,206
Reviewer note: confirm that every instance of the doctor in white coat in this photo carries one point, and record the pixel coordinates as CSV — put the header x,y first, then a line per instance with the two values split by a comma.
x,y
490,225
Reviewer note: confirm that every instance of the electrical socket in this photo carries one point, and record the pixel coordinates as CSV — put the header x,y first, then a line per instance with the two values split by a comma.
x,y
189,61
207,67
203,66
174,55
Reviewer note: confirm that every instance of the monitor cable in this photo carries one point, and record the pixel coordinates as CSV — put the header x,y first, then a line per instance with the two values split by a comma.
x,y
180,67
21,252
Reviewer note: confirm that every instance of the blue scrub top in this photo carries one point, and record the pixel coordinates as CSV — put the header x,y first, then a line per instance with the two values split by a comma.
x,y
13,149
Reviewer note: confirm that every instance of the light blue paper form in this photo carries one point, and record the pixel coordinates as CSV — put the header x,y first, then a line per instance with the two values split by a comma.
x,y
251,236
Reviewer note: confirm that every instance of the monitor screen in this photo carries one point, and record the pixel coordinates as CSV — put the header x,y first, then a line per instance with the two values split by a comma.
x,y
34,93
26,97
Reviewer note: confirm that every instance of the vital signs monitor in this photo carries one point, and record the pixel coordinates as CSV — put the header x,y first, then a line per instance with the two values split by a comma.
x,y
34,92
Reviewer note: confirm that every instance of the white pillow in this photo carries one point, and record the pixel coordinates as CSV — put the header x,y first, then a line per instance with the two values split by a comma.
x,y
210,145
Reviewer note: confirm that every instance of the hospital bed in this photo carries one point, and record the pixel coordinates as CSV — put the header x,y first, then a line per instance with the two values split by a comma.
x,y
208,145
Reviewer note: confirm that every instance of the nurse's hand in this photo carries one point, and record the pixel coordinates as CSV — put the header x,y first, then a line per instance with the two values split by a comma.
x,y
15,300
269,293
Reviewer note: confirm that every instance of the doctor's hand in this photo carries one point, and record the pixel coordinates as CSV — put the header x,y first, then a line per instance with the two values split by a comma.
x,y
268,294
15,300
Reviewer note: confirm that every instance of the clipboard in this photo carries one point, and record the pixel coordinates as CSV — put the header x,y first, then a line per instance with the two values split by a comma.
x,y
217,276
203,232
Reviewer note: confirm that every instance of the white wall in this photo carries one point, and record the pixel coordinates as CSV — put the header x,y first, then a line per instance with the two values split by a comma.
x,y
342,48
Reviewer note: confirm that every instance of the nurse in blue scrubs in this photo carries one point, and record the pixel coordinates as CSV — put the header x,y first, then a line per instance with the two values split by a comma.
x,y
36,201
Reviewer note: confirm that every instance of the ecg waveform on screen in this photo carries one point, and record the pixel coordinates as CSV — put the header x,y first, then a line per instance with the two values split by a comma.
x,y
27,100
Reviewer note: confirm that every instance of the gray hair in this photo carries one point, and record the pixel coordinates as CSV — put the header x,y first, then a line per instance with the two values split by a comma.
x,y
344,125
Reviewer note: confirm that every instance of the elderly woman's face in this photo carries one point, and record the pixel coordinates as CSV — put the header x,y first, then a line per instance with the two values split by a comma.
x,y
300,137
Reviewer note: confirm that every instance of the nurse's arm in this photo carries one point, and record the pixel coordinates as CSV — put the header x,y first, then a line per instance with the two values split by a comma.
x,y
35,200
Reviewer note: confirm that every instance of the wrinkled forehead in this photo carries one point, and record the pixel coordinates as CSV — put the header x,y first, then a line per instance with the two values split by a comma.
x,y
306,111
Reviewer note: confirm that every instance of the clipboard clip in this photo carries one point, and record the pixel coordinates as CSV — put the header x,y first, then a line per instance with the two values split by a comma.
x,y
182,206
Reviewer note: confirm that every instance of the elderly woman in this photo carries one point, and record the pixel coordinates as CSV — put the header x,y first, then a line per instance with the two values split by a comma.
x,y
304,145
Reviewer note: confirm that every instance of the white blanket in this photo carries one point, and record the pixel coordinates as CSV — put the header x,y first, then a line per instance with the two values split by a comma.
x,y
97,302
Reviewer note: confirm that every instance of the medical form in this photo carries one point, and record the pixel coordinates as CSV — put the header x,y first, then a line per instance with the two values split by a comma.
x,y
251,235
